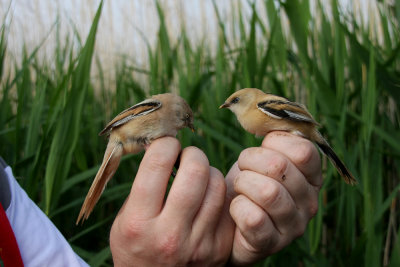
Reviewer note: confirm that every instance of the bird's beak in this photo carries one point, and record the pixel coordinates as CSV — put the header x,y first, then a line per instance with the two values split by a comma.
x,y
191,127
224,105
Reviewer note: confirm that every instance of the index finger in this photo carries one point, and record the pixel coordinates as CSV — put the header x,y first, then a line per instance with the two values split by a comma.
x,y
148,190
301,152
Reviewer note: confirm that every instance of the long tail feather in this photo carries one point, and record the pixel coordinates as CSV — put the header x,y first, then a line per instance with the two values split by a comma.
x,y
339,165
107,169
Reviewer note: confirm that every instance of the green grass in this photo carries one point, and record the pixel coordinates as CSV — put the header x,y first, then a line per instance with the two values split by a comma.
x,y
50,115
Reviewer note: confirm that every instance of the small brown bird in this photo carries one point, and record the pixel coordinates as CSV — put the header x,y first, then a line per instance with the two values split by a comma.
x,y
260,113
132,129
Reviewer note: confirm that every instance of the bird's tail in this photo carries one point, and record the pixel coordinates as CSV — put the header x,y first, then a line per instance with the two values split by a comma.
x,y
107,169
339,165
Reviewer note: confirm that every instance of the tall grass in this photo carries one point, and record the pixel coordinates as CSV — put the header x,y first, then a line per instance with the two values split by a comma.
x,y
50,115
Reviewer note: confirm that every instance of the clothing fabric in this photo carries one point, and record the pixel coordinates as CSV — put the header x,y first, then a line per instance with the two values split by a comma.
x,y
39,241
9,251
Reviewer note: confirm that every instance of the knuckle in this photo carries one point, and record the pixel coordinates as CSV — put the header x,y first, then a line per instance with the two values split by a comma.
x,y
249,155
276,166
132,229
168,246
313,208
244,154
269,194
304,153
255,221
262,241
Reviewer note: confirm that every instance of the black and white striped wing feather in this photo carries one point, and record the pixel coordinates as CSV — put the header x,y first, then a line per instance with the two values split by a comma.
x,y
143,108
285,109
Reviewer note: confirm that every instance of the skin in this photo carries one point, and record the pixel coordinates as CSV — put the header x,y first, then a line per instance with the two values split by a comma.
x,y
275,193
193,227
265,202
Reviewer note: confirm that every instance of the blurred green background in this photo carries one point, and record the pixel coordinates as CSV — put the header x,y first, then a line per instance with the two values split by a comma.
x,y
346,70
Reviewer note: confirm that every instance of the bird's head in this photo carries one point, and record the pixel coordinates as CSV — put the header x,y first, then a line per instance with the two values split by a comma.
x,y
240,101
187,113
188,120
180,113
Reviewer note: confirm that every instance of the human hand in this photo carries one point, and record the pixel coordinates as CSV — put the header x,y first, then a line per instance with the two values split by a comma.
x,y
275,193
191,227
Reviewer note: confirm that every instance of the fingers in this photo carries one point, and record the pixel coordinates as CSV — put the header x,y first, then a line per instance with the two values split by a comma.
x,y
188,189
277,166
275,201
147,194
300,151
192,227
210,210
277,186
256,229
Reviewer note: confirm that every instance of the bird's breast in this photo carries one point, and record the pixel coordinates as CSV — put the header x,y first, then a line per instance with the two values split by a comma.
x,y
255,122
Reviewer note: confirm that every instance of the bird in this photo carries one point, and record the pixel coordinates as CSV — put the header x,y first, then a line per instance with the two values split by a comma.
x,y
260,113
133,129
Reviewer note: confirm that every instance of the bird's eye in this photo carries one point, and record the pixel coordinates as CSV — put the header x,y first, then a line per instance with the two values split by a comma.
x,y
235,100
187,116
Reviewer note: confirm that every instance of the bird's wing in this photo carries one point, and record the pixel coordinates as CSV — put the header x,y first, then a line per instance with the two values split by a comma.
x,y
107,169
145,107
285,109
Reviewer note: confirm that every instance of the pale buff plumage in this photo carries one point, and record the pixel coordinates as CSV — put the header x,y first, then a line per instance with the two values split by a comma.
x,y
132,129
260,113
